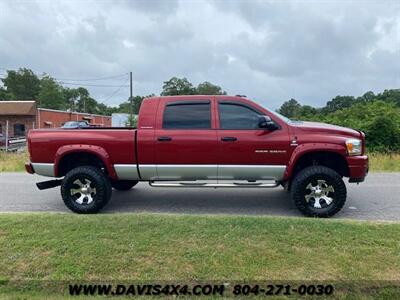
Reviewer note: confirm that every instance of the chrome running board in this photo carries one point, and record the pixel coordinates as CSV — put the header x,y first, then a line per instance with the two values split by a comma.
x,y
214,185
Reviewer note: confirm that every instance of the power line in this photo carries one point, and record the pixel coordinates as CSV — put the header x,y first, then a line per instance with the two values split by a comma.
x,y
115,92
68,79
94,85
94,79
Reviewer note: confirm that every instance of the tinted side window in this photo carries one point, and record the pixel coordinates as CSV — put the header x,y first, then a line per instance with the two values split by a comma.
x,y
187,116
233,116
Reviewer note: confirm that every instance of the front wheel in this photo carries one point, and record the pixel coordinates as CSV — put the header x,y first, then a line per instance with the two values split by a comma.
x,y
85,190
318,191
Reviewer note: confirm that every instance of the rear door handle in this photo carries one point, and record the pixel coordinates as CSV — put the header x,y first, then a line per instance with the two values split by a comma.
x,y
228,139
164,138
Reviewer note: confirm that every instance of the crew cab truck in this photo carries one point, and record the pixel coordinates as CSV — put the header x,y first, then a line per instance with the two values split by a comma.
x,y
202,141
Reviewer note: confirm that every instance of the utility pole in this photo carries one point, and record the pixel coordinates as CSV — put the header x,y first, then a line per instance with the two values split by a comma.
x,y
131,100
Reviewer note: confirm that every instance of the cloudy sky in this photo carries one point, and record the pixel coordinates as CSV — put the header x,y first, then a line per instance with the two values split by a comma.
x,y
270,51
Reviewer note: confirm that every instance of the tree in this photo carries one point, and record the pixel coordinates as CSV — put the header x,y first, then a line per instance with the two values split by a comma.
x,y
4,95
22,84
367,97
91,106
290,108
51,94
124,107
132,121
106,110
177,86
339,102
306,111
137,102
392,95
207,88
383,134
71,98
83,102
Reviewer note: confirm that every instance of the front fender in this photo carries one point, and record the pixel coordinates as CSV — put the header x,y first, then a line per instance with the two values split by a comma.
x,y
303,149
98,151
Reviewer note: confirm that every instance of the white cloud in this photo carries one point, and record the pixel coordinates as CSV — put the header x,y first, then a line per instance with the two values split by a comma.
x,y
269,50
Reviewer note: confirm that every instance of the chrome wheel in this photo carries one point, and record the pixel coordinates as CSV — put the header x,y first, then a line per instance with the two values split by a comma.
x,y
83,192
320,194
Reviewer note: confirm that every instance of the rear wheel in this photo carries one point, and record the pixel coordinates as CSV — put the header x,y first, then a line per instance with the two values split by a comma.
x,y
318,191
123,185
85,190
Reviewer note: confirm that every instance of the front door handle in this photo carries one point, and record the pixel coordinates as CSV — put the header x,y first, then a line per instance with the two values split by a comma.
x,y
164,138
228,139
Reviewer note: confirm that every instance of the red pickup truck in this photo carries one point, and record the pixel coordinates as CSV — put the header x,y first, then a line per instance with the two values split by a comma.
x,y
202,141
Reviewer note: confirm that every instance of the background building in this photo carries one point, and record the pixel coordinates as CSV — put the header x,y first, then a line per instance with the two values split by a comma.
x,y
24,115
51,118
18,116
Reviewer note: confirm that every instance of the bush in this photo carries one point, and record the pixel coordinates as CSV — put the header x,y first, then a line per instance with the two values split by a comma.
x,y
383,134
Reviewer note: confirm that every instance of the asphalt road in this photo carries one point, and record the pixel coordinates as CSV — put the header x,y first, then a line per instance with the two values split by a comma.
x,y
378,198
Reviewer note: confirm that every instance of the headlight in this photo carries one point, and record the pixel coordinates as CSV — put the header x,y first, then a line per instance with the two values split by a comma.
x,y
354,147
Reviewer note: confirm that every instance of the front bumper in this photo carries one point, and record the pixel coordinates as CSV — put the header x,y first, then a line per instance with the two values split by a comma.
x,y
358,168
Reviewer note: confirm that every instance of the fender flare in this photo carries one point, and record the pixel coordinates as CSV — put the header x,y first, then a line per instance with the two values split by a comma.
x,y
98,151
306,148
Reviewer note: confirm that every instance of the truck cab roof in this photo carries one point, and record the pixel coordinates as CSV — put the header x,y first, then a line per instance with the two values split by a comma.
x,y
197,97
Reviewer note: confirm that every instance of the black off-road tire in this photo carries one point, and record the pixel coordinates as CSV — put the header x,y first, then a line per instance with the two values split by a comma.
x,y
123,185
99,182
312,174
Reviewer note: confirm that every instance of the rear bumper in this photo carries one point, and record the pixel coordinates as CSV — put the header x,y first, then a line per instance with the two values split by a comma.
x,y
44,169
358,168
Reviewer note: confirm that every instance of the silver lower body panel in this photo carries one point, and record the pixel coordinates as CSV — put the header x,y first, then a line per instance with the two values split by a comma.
x,y
250,172
43,169
127,172
148,172
201,172
186,172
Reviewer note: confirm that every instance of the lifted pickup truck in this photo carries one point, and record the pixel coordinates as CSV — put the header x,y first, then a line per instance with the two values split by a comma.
x,y
202,141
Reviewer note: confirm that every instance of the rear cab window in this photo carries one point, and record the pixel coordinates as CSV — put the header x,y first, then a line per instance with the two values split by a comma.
x,y
187,115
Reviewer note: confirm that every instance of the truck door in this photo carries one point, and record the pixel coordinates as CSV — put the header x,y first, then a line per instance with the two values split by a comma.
x,y
248,152
186,140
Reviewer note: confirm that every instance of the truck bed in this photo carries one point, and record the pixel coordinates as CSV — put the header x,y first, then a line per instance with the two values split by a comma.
x,y
119,143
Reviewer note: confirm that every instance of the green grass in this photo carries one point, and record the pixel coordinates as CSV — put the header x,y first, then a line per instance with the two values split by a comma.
x,y
141,247
379,162
384,162
13,162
